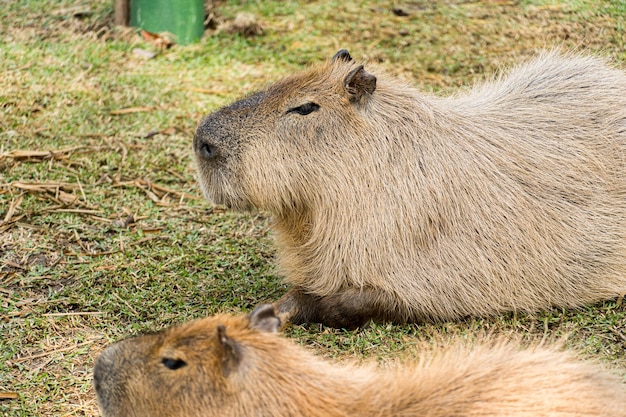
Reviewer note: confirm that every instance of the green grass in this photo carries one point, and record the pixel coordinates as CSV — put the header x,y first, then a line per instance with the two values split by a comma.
x,y
74,278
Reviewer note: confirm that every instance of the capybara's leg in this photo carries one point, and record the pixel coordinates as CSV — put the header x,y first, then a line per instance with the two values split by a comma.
x,y
348,309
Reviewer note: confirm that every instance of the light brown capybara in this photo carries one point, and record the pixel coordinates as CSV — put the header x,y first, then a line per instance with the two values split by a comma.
x,y
235,366
390,204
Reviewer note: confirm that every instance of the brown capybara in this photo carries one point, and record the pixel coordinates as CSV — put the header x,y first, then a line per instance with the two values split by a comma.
x,y
235,366
389,204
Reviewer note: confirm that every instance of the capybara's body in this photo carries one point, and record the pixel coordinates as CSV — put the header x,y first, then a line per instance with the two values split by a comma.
x,y
232,366
390,204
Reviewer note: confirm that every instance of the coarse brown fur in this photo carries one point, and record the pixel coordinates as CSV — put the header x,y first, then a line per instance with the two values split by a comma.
x,y
390,204
234,366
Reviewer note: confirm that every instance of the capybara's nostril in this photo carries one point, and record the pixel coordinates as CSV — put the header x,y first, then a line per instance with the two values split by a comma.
x,y
208,151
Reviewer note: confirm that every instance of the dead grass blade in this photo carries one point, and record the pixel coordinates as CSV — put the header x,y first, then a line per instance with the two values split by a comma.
x,y
42,187
91,254
37,156
212,91
77,313
14,205
129,110
126,303
52,352
79,10
158,193
55,191
22,154
14,221
70,210
8,395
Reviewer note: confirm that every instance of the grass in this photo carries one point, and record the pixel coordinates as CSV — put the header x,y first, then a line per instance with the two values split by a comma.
x,y
105,234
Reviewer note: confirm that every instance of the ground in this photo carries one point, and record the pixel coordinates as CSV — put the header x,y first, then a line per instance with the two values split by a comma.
x,y
103,231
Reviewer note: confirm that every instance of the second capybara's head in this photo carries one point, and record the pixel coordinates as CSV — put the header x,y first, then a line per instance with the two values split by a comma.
x,y
191,370
274,148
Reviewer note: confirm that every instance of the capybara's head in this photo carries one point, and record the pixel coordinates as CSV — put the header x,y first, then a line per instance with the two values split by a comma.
x,y
272,148
183,371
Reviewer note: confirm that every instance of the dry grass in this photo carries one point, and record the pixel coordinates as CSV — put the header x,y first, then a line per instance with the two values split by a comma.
x,y
103,233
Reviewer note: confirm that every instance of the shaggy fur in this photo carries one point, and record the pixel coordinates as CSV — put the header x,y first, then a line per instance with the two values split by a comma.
x,y
389,204
233,366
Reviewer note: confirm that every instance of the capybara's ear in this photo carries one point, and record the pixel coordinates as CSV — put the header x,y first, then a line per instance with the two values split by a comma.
x,y
263,318
230,351
343,55
359,84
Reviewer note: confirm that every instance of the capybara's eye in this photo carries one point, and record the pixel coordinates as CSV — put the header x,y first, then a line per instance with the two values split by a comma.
x,y
173,364
304,109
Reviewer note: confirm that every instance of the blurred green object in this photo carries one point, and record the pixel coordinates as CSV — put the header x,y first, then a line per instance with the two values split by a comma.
x,y
182,18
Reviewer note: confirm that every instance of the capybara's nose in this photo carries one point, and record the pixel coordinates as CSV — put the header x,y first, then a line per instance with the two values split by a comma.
x,y
104,382
104,368
207,150
203,146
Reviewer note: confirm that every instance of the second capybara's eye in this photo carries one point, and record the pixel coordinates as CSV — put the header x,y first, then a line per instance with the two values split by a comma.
x,y
173,364
304,109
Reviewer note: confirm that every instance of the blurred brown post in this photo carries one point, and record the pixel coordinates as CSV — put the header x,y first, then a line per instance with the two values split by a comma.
x,y
122,12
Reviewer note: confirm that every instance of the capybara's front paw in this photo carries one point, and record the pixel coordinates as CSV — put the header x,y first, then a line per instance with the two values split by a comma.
x,y
285,308
295,307
349,309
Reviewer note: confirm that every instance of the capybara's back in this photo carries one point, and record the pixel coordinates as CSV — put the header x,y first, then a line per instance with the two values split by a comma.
x,y
394,205
235,367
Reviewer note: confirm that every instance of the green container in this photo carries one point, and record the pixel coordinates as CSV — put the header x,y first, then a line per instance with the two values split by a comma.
x,y
182,18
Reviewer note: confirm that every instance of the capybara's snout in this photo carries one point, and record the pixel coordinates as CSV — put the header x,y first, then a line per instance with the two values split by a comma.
x,y
220,135
103,371
103,364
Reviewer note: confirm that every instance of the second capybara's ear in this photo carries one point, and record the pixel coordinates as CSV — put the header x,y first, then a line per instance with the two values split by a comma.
x,y
229,350
263,318
343,55
359,84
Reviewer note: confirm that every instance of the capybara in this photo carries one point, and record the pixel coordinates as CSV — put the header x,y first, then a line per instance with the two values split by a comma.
x,y
390,204
236,366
